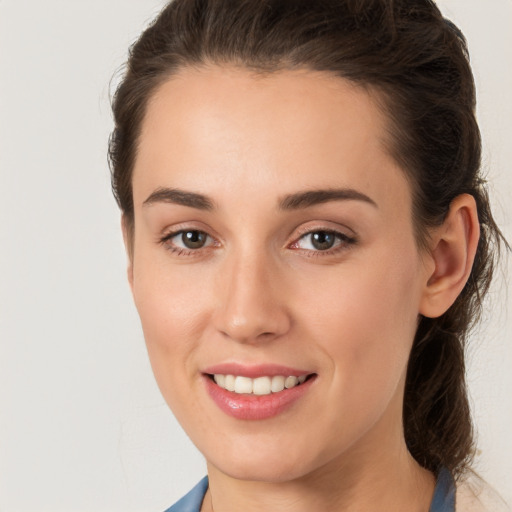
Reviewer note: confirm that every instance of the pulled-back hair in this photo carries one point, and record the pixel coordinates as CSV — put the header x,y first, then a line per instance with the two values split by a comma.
x,y
417,64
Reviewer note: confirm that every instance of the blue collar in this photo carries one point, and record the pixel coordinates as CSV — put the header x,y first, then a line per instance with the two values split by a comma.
x,y
444,494
192,501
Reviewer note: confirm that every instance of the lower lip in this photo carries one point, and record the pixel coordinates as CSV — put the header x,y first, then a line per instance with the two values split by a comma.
x,y
256,407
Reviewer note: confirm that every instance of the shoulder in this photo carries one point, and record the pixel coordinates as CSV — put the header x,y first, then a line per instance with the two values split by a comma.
x,y
475,495
193,500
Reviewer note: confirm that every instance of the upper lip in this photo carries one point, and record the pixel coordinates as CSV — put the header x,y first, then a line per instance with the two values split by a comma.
x,y
254,370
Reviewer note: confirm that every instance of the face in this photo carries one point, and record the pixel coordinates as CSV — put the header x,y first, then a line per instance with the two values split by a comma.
x,y
274,253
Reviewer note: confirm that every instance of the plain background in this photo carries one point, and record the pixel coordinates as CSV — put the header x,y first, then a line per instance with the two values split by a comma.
x,y
82,424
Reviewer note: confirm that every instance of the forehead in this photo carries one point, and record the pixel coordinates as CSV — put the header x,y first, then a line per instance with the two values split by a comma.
x,y
216,129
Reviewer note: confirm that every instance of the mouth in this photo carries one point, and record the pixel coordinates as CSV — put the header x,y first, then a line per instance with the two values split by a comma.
x,y
256,393
259,386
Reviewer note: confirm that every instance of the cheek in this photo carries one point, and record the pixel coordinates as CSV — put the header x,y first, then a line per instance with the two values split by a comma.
x,y
172,303
366,316
365,324
169,297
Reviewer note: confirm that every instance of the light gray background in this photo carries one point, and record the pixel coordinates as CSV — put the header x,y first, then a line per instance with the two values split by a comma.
x,y
82,424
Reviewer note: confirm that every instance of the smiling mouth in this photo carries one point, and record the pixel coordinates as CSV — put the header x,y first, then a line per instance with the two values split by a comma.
x,y
259,386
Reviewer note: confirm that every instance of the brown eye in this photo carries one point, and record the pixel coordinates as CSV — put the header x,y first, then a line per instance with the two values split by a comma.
x,y
187,240
319,240
322,240
193,239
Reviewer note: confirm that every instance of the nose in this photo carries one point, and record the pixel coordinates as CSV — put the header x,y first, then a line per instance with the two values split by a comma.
x,y
252,306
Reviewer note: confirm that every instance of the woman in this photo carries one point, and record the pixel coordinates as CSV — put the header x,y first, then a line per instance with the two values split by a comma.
x,y
309,242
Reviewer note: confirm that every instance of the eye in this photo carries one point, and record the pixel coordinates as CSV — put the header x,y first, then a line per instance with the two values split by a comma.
x,y
322,240
187,239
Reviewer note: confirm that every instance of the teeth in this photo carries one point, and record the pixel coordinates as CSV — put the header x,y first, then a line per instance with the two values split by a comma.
x,y
229,382
262,386
243,385
291,382
220,380
258,386
277,383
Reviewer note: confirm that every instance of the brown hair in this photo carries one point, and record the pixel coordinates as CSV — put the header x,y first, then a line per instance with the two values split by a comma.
x,y
417,62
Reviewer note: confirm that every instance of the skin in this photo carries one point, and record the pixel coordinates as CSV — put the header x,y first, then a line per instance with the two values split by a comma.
x,y
258,291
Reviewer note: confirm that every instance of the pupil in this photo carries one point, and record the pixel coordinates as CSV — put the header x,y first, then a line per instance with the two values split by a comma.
x,y
193,239
323,240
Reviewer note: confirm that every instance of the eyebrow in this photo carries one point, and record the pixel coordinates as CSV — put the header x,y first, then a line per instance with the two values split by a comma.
x,y
294,201
314,197
181,197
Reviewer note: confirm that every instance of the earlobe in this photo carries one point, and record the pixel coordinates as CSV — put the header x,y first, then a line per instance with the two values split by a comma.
x,y
453,250
128,245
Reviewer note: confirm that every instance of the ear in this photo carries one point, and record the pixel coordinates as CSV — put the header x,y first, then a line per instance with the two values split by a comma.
x,y
453,249
127,230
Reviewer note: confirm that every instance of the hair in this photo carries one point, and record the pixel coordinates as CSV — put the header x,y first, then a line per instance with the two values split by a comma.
x,y
417,62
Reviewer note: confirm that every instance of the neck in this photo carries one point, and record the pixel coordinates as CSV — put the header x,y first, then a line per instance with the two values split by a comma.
x,y
376,474
407,488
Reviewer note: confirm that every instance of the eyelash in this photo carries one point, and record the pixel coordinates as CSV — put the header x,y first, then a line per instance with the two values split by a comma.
x,y
182,251
342,242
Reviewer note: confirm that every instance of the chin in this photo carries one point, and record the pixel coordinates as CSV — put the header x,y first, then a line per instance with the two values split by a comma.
x,y
259,465
268,472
